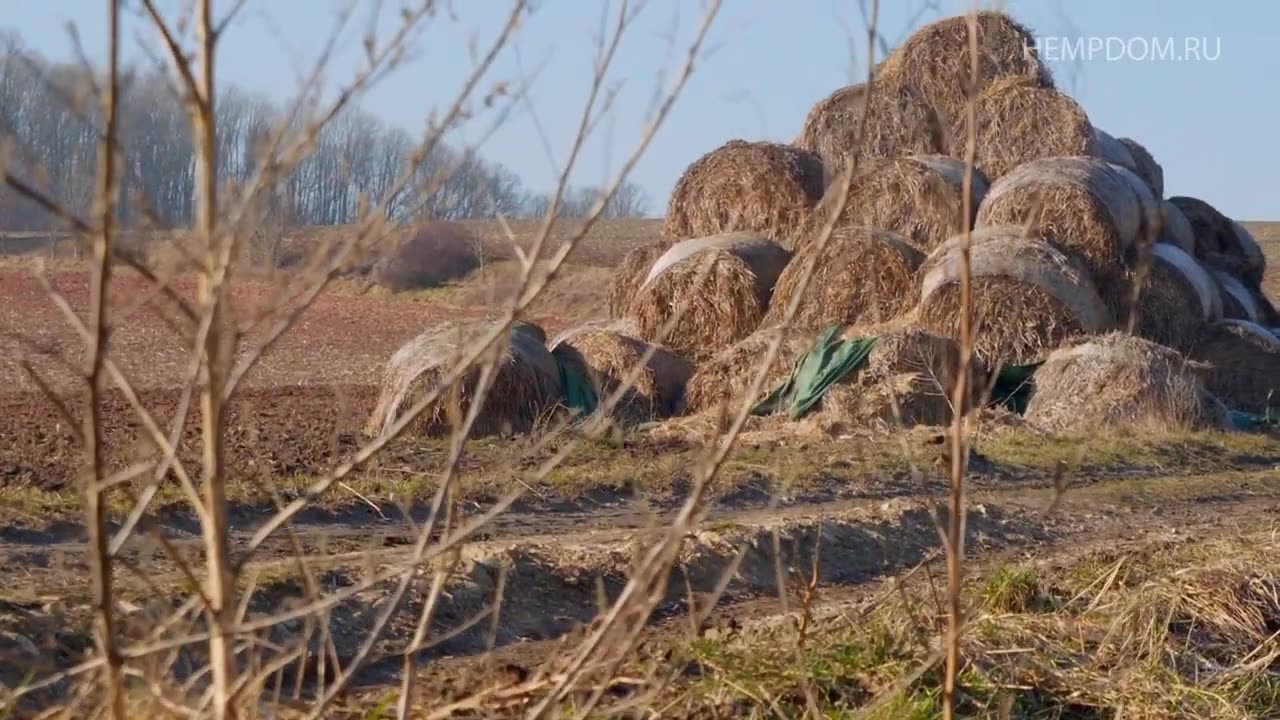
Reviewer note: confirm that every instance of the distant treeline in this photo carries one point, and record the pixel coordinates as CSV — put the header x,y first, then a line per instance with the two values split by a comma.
x,y
48,130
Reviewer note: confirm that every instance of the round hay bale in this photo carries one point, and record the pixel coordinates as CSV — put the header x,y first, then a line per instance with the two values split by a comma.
x,y
1121,381
1222,243
1244,365
861,275
1146,166
936,61
899,121
920,198
1106,147
1081,204
760,187
1177,300
723,381
608,354
525,387
1017,121
1237,302
909,379
714,298
1028,295
630,274
1175,229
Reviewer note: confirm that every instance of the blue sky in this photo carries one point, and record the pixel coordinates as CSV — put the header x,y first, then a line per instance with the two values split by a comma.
x,y
1209,122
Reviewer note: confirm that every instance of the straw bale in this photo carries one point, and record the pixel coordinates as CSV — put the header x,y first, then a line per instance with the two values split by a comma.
x,y
722,381
1179,297
608,353
1222,243
936,60
898,121
1029,296
920,198
1117,380
760,187
526,385
862,275
1080,204
1175,229
1107,147
630,274
1146,166
1244,365
1017,121
714,298
909,379
1237,302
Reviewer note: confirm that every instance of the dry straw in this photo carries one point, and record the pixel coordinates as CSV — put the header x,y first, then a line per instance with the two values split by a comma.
x,y
920,198
1146,166
898,121
862,275
1177,300
936,60
1017,121
760,187
1121,381
607,352
1222,243
525,387
908,380
722,382
1080,204
1244,365
715,296
630,274
1028,295
1175,229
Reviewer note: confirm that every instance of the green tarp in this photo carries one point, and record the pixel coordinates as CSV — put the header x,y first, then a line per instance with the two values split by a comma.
x,y
830,361
1252,421
579,393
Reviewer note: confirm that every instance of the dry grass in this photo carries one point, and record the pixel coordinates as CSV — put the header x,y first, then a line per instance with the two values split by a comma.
x,y
1028,296
1145,165
759,187
1244,365
1120,381
609,351
936,60
920,198
1018,120
898,122
1079,204
861,275
526,384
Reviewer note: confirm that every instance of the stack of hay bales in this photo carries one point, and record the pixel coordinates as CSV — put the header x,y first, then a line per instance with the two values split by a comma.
x,y
850,127
1117,380
1019,120
1177,299
722,382
704,294
649,379
525,388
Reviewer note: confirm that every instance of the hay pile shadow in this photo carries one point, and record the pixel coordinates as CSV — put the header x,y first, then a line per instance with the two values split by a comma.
x,y
1243,361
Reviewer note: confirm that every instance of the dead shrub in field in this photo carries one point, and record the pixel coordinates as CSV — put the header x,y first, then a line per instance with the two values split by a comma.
x,y
428,255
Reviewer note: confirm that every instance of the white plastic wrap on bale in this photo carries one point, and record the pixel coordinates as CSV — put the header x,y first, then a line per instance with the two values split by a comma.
x,y
1176,230
1194,272
1107,147
1237,290
760,253
952,170
1256,330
